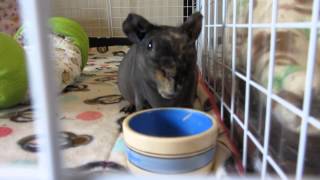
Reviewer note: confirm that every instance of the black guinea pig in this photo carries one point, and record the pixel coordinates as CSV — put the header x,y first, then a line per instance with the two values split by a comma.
x,y
160,68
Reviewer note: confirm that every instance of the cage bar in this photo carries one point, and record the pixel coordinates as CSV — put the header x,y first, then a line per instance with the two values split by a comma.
x,y
308,90
248,76
35,17
35,14
277,168
270,88
314,122
233,70
109,5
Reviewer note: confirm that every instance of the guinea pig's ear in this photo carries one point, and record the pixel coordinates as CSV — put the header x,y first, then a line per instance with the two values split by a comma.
x,y
192,26
136,27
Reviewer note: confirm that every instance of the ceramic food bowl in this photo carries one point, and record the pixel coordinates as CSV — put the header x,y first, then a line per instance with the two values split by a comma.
x,y
170,141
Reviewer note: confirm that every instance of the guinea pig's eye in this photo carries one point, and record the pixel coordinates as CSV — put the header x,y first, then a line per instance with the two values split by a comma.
x,y
150,45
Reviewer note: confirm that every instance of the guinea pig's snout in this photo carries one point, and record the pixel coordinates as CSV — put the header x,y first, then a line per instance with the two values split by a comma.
x,y
166,85
170,72
168,90
168,65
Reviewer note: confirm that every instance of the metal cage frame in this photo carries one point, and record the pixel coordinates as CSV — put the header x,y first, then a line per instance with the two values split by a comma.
x,y
35,14
209,52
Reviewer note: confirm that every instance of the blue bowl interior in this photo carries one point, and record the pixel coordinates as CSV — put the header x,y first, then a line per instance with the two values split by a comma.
x,y
170,123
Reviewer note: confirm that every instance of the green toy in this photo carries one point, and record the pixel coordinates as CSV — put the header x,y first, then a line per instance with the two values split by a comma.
x,y
74,31
71,29
13,74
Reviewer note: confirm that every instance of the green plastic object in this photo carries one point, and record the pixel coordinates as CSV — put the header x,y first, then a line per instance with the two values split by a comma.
x,y
71,29
13,74
74,31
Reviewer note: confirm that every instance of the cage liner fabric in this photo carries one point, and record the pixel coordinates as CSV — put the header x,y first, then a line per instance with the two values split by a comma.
x,y
9,17
90,135
66,60
88,118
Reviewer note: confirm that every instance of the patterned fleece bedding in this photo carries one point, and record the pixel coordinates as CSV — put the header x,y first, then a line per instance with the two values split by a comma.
x,y
89,111
89,105
66,58
89,116
9,17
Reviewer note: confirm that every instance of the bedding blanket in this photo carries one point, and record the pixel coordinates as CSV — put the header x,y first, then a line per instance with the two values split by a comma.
x,y
91,139
89,111
66,59
9,17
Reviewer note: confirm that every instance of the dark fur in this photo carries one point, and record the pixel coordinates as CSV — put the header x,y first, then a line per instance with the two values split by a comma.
x,y
160,68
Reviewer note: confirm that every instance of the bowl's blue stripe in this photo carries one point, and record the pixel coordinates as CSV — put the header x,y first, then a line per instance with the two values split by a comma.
x,y
169,165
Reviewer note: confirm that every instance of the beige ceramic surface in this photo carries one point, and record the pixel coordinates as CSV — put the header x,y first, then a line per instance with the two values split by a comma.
x,y
170,146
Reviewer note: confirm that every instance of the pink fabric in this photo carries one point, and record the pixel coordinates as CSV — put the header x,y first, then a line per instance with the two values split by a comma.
x,y
9,17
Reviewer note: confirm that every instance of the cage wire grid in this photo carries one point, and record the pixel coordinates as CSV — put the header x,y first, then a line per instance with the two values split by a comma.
x,y
103,18
209,51
159,12
93,15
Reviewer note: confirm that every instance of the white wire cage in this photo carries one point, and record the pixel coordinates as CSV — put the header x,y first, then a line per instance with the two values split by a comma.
x,y
103,18
226,56
249,48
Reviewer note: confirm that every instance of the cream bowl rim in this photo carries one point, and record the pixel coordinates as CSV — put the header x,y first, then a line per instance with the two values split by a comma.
x,y
130,135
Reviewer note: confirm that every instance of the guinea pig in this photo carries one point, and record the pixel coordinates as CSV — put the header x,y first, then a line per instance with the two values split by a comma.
x,y
160,68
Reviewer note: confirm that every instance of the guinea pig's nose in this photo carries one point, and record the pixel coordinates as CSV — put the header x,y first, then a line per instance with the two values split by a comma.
x,y
167,62
170,72
169,66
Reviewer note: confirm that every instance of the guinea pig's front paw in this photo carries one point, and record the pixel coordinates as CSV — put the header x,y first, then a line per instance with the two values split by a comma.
x,y
128,109
120,121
